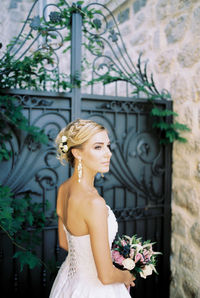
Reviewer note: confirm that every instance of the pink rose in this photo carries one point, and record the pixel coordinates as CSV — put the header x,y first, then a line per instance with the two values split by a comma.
x,y
117,257
139,257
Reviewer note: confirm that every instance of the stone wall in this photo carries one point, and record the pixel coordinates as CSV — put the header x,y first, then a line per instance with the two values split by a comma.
x,y
168,34
12,14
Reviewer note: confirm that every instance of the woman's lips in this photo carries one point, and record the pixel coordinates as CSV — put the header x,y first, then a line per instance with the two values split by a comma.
x,y
106,163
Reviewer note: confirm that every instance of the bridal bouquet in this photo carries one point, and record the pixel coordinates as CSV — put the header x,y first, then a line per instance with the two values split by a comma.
x,y
130,253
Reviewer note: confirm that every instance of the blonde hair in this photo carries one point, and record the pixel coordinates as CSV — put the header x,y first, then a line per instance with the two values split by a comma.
x,y
77,133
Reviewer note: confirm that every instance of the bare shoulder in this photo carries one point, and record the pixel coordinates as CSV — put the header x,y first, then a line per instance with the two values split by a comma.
x,y
97,202
63,187
96,206
62,193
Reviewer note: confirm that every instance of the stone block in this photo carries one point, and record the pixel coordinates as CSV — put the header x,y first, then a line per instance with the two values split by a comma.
x,y
195,233
14,3
164,61
196,86
176,292
185,196
189,287
17,18
186,257
138,39
181,169
139,20
138,4
199,121
179,88
156,40
175,289
125,31
189,116
195,27
191,147
162,9
123,15
177,225
178,6
143,3
189,55
175,29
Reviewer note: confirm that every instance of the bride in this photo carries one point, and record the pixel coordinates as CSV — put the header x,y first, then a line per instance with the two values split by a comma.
x,y
86,225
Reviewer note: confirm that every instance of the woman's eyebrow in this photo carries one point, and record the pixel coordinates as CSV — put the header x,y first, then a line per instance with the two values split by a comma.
x,y
101,143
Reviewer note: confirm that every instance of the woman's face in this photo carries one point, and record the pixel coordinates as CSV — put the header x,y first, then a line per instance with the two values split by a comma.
x,y
96,153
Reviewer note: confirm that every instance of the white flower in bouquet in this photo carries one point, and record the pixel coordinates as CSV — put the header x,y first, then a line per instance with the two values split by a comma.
x,y
128,264
147,270
138,247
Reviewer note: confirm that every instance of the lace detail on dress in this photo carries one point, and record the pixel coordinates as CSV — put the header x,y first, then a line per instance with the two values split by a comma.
x,y
72,258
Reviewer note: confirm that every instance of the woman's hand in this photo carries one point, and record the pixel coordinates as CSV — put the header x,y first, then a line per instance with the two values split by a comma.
x,y
129,278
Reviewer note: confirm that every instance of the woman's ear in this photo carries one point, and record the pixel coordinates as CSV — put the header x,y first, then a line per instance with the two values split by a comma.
x,y
76,153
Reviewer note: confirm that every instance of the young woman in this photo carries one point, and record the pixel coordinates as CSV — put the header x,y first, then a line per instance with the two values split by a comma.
x,y
86,225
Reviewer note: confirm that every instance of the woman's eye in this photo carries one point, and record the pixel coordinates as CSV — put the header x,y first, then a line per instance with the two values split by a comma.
x,y
97,147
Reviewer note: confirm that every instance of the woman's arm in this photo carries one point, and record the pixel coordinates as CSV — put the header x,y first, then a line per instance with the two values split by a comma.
x,y
61,232
97,222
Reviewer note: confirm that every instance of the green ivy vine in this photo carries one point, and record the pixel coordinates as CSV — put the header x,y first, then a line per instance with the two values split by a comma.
x,y
21,218
167,130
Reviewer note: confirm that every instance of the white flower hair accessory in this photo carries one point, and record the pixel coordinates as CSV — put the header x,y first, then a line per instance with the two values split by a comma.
x,y
63,145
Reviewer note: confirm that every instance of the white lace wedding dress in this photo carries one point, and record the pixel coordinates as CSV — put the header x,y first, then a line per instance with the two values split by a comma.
x,y
77,277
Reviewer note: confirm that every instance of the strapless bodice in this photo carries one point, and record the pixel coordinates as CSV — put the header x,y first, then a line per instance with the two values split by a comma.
x,y
80,257
77,277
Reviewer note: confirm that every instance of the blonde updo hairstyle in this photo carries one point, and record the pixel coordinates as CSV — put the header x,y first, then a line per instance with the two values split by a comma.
x,y
77,133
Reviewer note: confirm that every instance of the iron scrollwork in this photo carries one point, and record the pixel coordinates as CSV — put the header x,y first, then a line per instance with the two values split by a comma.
x,y
23,166
130,158
37,35
32,101
113,58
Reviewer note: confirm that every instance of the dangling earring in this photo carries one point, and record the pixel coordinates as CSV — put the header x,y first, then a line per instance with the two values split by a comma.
x,y
79,170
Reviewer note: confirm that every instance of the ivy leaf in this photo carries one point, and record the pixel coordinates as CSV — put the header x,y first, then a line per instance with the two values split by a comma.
x,y
79,2
6,213
26,258
30,218
180,126
172,135
163,113
20,204
182,140
161,125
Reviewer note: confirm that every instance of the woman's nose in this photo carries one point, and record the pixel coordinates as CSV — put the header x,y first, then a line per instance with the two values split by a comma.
x,y
108,152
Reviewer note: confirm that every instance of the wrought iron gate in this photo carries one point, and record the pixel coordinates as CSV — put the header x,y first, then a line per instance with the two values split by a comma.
x,y
138,186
